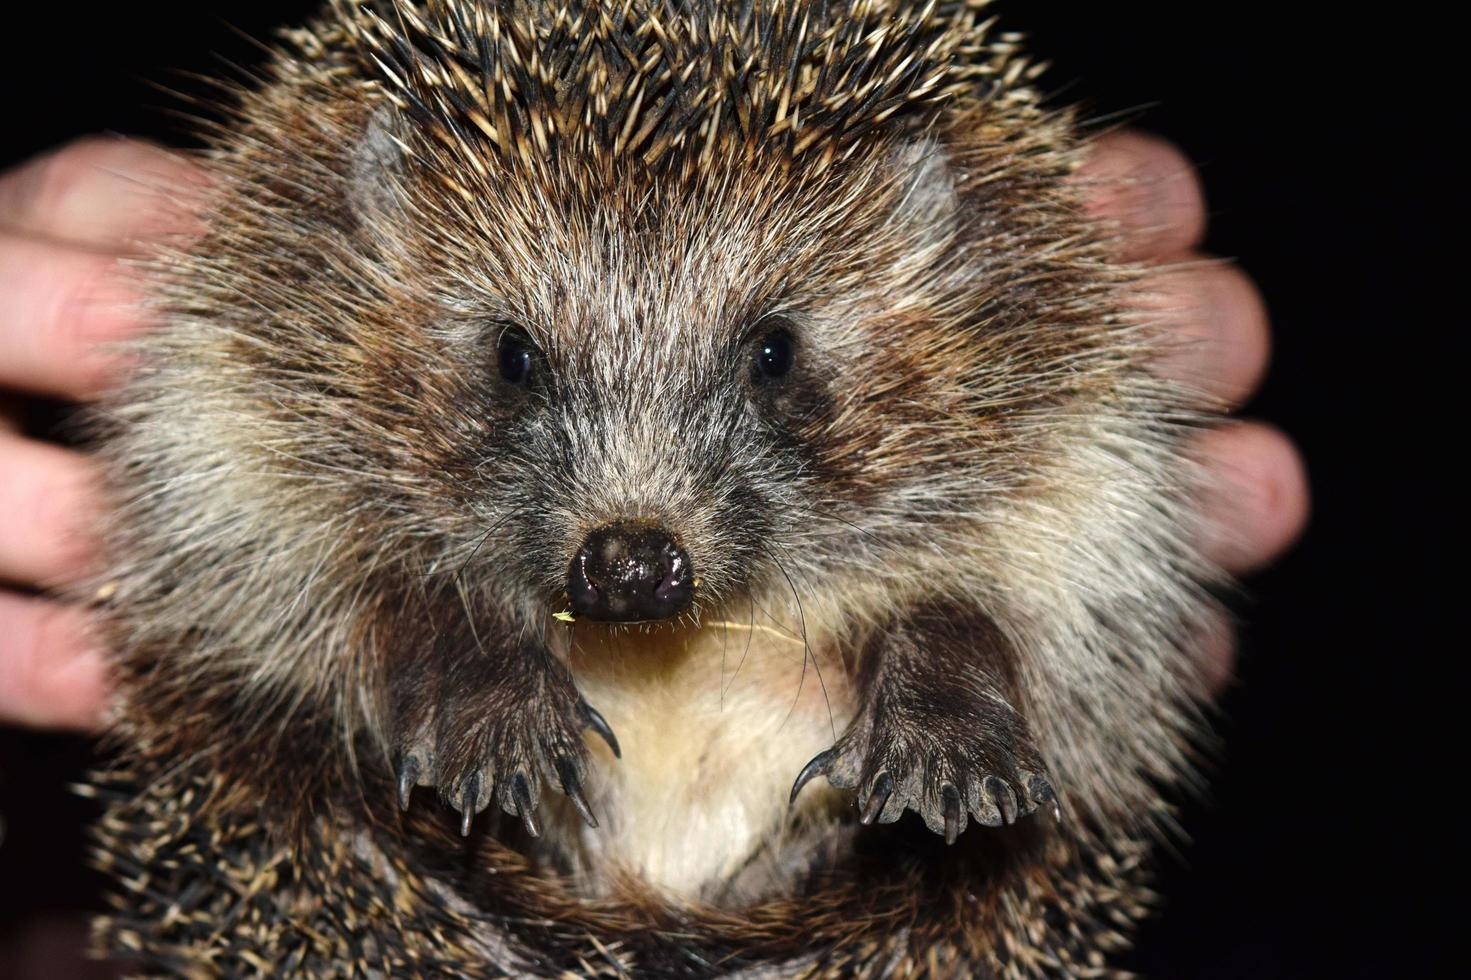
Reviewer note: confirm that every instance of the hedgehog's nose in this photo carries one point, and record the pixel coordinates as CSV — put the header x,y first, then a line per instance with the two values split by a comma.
x,y
628,573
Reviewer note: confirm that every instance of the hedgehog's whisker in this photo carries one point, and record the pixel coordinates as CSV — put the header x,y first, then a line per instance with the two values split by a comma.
x,y
830,515
807,652
460,571
750,632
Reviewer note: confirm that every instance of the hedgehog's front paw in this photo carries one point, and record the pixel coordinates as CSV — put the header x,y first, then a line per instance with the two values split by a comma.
x,y
942,769
498,738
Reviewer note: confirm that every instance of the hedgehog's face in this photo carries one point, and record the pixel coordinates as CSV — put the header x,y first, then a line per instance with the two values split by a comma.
x,y
688,387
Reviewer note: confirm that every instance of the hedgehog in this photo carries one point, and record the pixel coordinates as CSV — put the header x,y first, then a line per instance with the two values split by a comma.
x,y
644,488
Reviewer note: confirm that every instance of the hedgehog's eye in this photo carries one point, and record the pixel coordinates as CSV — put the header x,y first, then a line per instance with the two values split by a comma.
x,y
515,354
775,355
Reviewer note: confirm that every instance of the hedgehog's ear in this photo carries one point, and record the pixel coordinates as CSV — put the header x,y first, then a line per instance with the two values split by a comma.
x,y
376,166
929,204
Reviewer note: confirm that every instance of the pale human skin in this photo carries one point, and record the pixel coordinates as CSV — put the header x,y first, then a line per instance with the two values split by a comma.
x,y
68,217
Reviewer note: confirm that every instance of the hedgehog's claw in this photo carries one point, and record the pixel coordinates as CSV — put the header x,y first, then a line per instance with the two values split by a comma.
x,y
988,811
525,809
599,724
821,765
469,800
878,797
1041,793
1001,795
408,777
954,815
571,785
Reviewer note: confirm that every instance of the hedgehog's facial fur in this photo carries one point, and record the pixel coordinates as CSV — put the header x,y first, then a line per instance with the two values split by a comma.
x,y
927,362
640,302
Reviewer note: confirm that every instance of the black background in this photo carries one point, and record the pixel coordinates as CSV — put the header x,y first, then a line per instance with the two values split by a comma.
x,y
1328,169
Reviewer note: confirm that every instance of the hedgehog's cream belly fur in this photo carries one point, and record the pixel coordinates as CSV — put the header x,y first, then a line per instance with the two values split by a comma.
x,y
713,730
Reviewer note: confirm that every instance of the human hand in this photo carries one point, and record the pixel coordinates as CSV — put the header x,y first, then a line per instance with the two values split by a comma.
x,y
67,218
66,221
1219,342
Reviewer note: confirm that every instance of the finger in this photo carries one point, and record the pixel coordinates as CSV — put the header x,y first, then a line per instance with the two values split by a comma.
x,y
59,308
102,192
52,674
1214,332
1146,190
45,500
1256,495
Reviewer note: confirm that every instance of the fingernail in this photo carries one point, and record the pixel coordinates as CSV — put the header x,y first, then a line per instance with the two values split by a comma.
x,y
80,692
